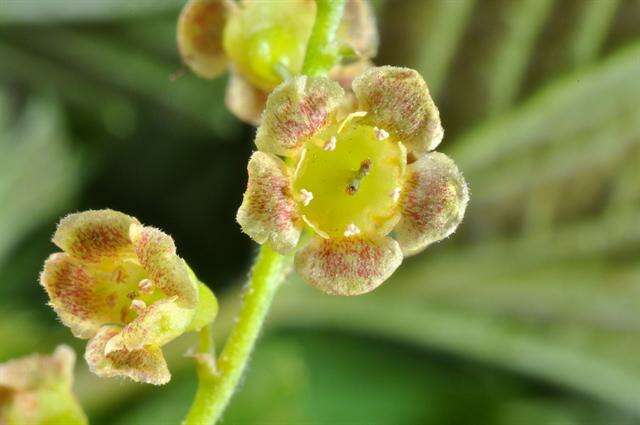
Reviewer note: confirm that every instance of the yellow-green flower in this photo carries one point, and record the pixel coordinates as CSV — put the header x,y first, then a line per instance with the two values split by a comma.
x,y
361,176
263,43
122,285
36,390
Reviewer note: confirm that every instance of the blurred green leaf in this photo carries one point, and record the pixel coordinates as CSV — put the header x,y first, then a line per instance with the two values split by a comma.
x,y
39,174
36,11
573,105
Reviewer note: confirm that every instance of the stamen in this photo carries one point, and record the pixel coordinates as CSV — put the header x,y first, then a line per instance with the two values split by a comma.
x,y
146,286
138,306
351,230
395,194
381,134
306,197
354,184
331,144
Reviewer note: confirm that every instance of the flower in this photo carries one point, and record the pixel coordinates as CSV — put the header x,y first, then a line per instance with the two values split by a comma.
x,y
263,43
36,389
122,285
361,176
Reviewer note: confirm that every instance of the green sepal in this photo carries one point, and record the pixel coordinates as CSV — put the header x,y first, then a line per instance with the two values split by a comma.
x,y
206,311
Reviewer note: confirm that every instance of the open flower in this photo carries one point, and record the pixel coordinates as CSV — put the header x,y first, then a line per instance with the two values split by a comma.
x,y
263,43
36,389
363,179
122,285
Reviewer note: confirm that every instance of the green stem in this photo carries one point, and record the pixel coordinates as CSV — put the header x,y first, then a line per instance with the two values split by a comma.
x,y
218,381
216,387
322,50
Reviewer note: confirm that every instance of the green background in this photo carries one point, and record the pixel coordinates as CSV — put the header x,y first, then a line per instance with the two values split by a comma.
x,y
529,314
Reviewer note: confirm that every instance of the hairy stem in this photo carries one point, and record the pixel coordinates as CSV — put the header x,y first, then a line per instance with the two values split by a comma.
x,y
217,380
217,384
322,50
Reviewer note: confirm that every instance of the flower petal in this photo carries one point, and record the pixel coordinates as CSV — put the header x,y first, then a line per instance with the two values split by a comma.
x,y
200,29
433,202
296,110
95,235
348,266
146,365
78,299
36,389
268,212
37,370
157,255
398,101
158,324
244,100
358,28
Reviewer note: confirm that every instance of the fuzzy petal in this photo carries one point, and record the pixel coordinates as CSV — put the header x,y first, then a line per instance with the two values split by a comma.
x,y
160,323
398,101
268,212
146,365
200,29
95,235
348,266
433,202
296,110
358,28
37,370
157,255
76,296
244,100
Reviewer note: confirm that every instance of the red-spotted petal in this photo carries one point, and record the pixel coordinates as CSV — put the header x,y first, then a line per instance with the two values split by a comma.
x,y
297,110
79,300
146,365
200,28
244,100
348,266
358,28
156,325
95,235
433,202
398,101
156,253
37,370
268,212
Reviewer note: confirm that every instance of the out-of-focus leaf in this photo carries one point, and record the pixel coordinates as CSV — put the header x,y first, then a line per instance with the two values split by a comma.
x,y
599,363
48,11
521,23
566,47
430,31
575,104
112,108
39,174
131,70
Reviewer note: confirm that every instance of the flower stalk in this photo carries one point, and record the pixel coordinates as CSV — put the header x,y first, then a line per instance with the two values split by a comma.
x,y
217,384
218,380
322,50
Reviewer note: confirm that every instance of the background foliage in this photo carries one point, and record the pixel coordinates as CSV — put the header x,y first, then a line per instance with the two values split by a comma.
x,y
528,315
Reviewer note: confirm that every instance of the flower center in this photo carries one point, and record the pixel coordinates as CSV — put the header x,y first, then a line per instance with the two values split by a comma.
x,y
267,43
127,289
347,181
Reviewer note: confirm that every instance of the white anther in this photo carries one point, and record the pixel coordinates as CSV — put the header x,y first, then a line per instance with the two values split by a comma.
x,y
138,306
306,197
351,230
145,286
381,134
395,194
331,144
